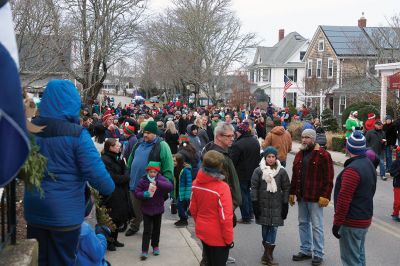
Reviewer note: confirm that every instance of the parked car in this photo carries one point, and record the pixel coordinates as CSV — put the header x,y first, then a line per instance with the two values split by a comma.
x,y
154,99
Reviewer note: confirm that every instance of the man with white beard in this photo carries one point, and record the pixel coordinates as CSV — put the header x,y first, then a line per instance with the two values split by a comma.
x,y
312,182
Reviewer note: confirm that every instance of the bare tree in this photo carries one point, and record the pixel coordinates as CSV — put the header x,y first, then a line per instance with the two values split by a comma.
x,y
199,40
103,32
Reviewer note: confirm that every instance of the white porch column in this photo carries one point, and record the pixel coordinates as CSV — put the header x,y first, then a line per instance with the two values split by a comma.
x,y
383,94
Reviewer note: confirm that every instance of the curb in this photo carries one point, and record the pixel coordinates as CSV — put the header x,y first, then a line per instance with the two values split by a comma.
x,y
197,251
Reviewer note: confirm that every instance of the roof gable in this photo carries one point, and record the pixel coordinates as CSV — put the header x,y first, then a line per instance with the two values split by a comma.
x,y
281,51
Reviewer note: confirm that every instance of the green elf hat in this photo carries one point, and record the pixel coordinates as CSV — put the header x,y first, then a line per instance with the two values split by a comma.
x,y
153,166
183,138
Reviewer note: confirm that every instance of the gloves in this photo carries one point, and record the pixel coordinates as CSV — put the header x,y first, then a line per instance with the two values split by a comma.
x,y
256,209
323,202
146,194
335,231
102,229
284,210
291,200
231,245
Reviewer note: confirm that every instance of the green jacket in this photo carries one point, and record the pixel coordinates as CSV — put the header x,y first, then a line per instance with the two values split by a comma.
x,y
165,157
230,174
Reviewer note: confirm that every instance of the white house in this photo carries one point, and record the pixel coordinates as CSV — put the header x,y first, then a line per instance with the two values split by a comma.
x,y
270,64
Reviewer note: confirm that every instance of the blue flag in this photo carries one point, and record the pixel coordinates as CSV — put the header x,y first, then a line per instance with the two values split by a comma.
x,y
14,141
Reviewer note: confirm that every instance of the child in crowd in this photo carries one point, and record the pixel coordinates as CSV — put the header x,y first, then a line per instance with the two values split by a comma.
x,y
92,243
395,172
151,190
270,186
211,209
182,187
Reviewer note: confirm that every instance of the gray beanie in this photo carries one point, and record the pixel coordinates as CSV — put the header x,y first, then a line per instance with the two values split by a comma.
x,y
309,133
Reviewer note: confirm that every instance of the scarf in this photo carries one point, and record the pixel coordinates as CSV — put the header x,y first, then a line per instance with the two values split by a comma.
x,y
269,174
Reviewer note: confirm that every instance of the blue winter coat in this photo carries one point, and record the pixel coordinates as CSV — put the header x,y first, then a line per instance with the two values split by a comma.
x,y
72,161
91,248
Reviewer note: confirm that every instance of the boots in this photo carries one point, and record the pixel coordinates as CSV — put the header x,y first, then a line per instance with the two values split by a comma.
x,y
265,258
270,251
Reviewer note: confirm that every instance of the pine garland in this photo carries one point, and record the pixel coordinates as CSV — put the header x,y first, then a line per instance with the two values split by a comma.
x,y
101,212
34,168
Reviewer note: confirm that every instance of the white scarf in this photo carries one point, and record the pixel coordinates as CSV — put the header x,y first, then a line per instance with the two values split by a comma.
x,y
269,174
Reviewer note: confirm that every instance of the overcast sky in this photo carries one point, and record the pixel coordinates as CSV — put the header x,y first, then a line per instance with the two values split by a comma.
x,y
266,17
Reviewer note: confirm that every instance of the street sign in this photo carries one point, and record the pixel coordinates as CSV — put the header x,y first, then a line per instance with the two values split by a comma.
x,y
394,81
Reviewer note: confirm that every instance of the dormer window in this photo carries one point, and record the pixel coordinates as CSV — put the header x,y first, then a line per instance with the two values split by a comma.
x,y
321,46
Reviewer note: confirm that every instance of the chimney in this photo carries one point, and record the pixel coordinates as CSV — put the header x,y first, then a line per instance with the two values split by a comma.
x,y
362,22
281,34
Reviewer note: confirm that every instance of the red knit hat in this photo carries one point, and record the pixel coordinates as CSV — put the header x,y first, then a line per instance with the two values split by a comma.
x,y
371,116
129,130
106,115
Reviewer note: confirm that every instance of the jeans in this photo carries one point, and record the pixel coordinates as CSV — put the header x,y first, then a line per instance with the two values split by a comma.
x,y
388,156
382,165
311,228
182,209
269,233
246,208
352,250
151,231
55,247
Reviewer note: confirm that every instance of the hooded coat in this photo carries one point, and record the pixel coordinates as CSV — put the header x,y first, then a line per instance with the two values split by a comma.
x,y
270,203
72,160
281,140
211,209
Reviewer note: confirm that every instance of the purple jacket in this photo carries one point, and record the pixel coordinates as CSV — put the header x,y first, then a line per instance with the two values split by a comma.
x,y
154,205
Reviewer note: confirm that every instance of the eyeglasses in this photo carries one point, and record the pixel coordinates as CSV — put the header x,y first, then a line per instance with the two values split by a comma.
x,y
229,136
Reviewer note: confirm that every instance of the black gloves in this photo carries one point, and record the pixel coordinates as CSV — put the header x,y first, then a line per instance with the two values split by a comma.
x,y
256,209
231,245
335,231
284,210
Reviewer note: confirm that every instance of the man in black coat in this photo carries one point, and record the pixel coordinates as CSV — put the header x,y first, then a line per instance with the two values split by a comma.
x,y
376,140
245,155
391,137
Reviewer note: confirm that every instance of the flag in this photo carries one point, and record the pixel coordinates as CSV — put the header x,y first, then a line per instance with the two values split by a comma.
x,y
14,141
288,83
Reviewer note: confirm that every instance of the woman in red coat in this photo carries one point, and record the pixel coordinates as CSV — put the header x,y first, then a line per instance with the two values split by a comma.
x,y
211,209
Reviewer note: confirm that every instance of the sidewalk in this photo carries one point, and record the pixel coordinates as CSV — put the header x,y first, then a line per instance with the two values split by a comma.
x,y
338,158
177,247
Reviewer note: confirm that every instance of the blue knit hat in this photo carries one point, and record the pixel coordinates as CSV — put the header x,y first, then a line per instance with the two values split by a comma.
x,y
269,150
356,143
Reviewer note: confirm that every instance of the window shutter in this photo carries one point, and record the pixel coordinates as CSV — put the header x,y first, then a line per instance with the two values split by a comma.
x,y
295,75
284,72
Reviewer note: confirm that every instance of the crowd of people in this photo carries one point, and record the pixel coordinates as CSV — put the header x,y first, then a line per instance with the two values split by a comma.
x,y
207,162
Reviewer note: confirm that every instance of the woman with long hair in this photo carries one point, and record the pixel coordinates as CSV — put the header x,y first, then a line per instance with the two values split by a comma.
x,y
119,201
172,136
201,132
189,153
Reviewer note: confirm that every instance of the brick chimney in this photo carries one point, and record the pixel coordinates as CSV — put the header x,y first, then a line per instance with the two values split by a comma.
x,y
281,34
362,22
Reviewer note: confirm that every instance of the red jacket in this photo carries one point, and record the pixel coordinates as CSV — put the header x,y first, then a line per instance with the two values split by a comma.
x,y
318,179
211,209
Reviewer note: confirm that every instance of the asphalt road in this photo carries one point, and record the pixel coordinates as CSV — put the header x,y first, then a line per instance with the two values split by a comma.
x,y
382,242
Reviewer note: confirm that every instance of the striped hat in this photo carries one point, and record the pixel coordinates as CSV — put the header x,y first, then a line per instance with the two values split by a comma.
x,y
129,130
152,165
356,143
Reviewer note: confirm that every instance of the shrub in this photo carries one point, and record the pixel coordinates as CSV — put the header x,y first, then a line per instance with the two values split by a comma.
x,y
338,143
294,129
328,121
